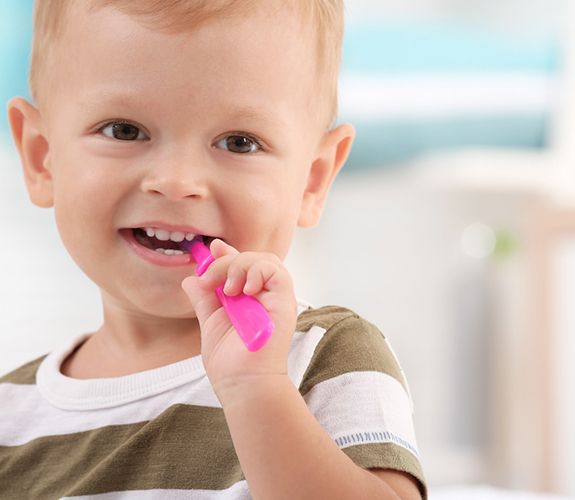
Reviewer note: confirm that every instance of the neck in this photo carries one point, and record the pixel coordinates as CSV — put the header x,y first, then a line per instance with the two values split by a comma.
x,y
129,342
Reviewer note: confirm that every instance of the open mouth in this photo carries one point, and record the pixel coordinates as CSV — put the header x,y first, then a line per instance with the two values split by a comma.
x,y
166,242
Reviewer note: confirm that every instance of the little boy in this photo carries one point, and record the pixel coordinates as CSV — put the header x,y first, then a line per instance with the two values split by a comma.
x,y
154,123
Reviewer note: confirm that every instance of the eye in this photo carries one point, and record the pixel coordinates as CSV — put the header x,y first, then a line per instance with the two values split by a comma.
x,y
238,143
123,131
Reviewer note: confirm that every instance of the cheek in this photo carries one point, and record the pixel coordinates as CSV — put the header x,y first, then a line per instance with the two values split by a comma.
x,y
83,181
81,201
264,219
83,198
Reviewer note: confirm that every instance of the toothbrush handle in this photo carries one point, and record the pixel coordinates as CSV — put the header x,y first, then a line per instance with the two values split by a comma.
x,y
252,322
249,318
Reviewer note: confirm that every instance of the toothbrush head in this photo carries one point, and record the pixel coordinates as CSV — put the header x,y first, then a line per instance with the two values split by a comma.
x,y
200,253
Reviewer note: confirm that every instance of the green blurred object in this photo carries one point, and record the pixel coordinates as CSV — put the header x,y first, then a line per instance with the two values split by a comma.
x,y
506,244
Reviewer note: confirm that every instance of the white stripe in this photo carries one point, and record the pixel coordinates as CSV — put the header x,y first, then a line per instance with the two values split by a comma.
x,y
98,393
396,359
31,415
302,351
239,491
364,407
444,95
94,394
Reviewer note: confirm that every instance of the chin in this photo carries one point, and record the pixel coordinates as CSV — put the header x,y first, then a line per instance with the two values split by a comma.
x,y
175,305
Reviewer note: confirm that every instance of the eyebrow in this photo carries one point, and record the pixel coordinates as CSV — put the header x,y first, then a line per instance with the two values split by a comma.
x,y
255,114
234,112
96,99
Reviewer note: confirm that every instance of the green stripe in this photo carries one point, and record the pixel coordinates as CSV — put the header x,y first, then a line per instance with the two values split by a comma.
x,y
25,375
387,456
324,317
186,447
350,344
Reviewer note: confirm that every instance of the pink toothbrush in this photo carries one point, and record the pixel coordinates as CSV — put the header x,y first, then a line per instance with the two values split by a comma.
x,y
246,313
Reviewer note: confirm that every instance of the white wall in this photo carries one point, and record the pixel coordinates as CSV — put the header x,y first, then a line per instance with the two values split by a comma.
x,y
44,298
527,18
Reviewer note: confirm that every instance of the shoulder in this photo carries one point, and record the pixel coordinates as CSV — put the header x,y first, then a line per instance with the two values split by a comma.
x,y
324,317
23,375
355,388
349,343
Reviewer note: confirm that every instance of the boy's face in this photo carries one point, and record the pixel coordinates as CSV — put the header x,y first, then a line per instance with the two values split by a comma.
x,y
217,136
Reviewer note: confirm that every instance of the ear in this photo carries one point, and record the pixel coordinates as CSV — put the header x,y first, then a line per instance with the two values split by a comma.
x,y
332,154
26,124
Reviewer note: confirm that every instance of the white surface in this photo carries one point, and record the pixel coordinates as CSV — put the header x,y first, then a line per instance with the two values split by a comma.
x,y
563,351
446,95
489,493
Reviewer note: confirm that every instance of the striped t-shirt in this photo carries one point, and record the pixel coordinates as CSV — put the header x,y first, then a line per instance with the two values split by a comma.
x,y
161,433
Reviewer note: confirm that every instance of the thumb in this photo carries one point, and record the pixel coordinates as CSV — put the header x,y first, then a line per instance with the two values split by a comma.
x,y
205,302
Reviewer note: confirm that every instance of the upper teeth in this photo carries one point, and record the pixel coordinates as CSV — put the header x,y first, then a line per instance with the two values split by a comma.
x,y
164,235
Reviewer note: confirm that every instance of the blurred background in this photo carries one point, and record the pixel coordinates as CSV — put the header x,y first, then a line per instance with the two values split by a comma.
x,y
452,229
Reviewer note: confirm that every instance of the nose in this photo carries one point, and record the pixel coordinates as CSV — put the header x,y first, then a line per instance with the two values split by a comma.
x,y
175,179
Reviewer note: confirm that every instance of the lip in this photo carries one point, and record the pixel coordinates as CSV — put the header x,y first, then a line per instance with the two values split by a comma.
x,y
169,227
152,256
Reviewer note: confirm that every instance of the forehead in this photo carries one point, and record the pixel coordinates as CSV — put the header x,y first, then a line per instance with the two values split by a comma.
x,y
258,58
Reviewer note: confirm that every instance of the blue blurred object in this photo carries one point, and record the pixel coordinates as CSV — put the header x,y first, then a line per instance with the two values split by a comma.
x,y
387,143
404,50
394,49
15,41
438,48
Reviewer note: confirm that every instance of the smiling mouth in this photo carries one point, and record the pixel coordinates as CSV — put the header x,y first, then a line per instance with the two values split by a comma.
x,y
166,242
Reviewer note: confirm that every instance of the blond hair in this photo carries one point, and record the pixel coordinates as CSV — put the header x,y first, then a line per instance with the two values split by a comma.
x,y
174,16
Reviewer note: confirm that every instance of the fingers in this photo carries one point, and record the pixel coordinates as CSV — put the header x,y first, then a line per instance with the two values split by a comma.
x,y
264,275
247,272
219,248
258,274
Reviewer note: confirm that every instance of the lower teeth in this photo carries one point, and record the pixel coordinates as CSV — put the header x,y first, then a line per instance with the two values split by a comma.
x,y
169,251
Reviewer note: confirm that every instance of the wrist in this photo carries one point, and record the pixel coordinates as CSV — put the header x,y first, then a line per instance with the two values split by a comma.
x,y
252,389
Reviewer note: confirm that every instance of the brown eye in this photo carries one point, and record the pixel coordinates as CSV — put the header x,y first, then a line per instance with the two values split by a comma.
x,y
239,144
122,131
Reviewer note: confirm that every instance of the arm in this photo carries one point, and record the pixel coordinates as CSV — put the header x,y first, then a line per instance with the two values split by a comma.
x,y
285,453
283,450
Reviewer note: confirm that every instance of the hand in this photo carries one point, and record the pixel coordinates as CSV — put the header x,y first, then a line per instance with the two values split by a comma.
x,y
229,365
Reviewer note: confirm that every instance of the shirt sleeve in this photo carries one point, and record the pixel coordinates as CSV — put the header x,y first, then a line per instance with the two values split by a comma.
x,y
356,389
